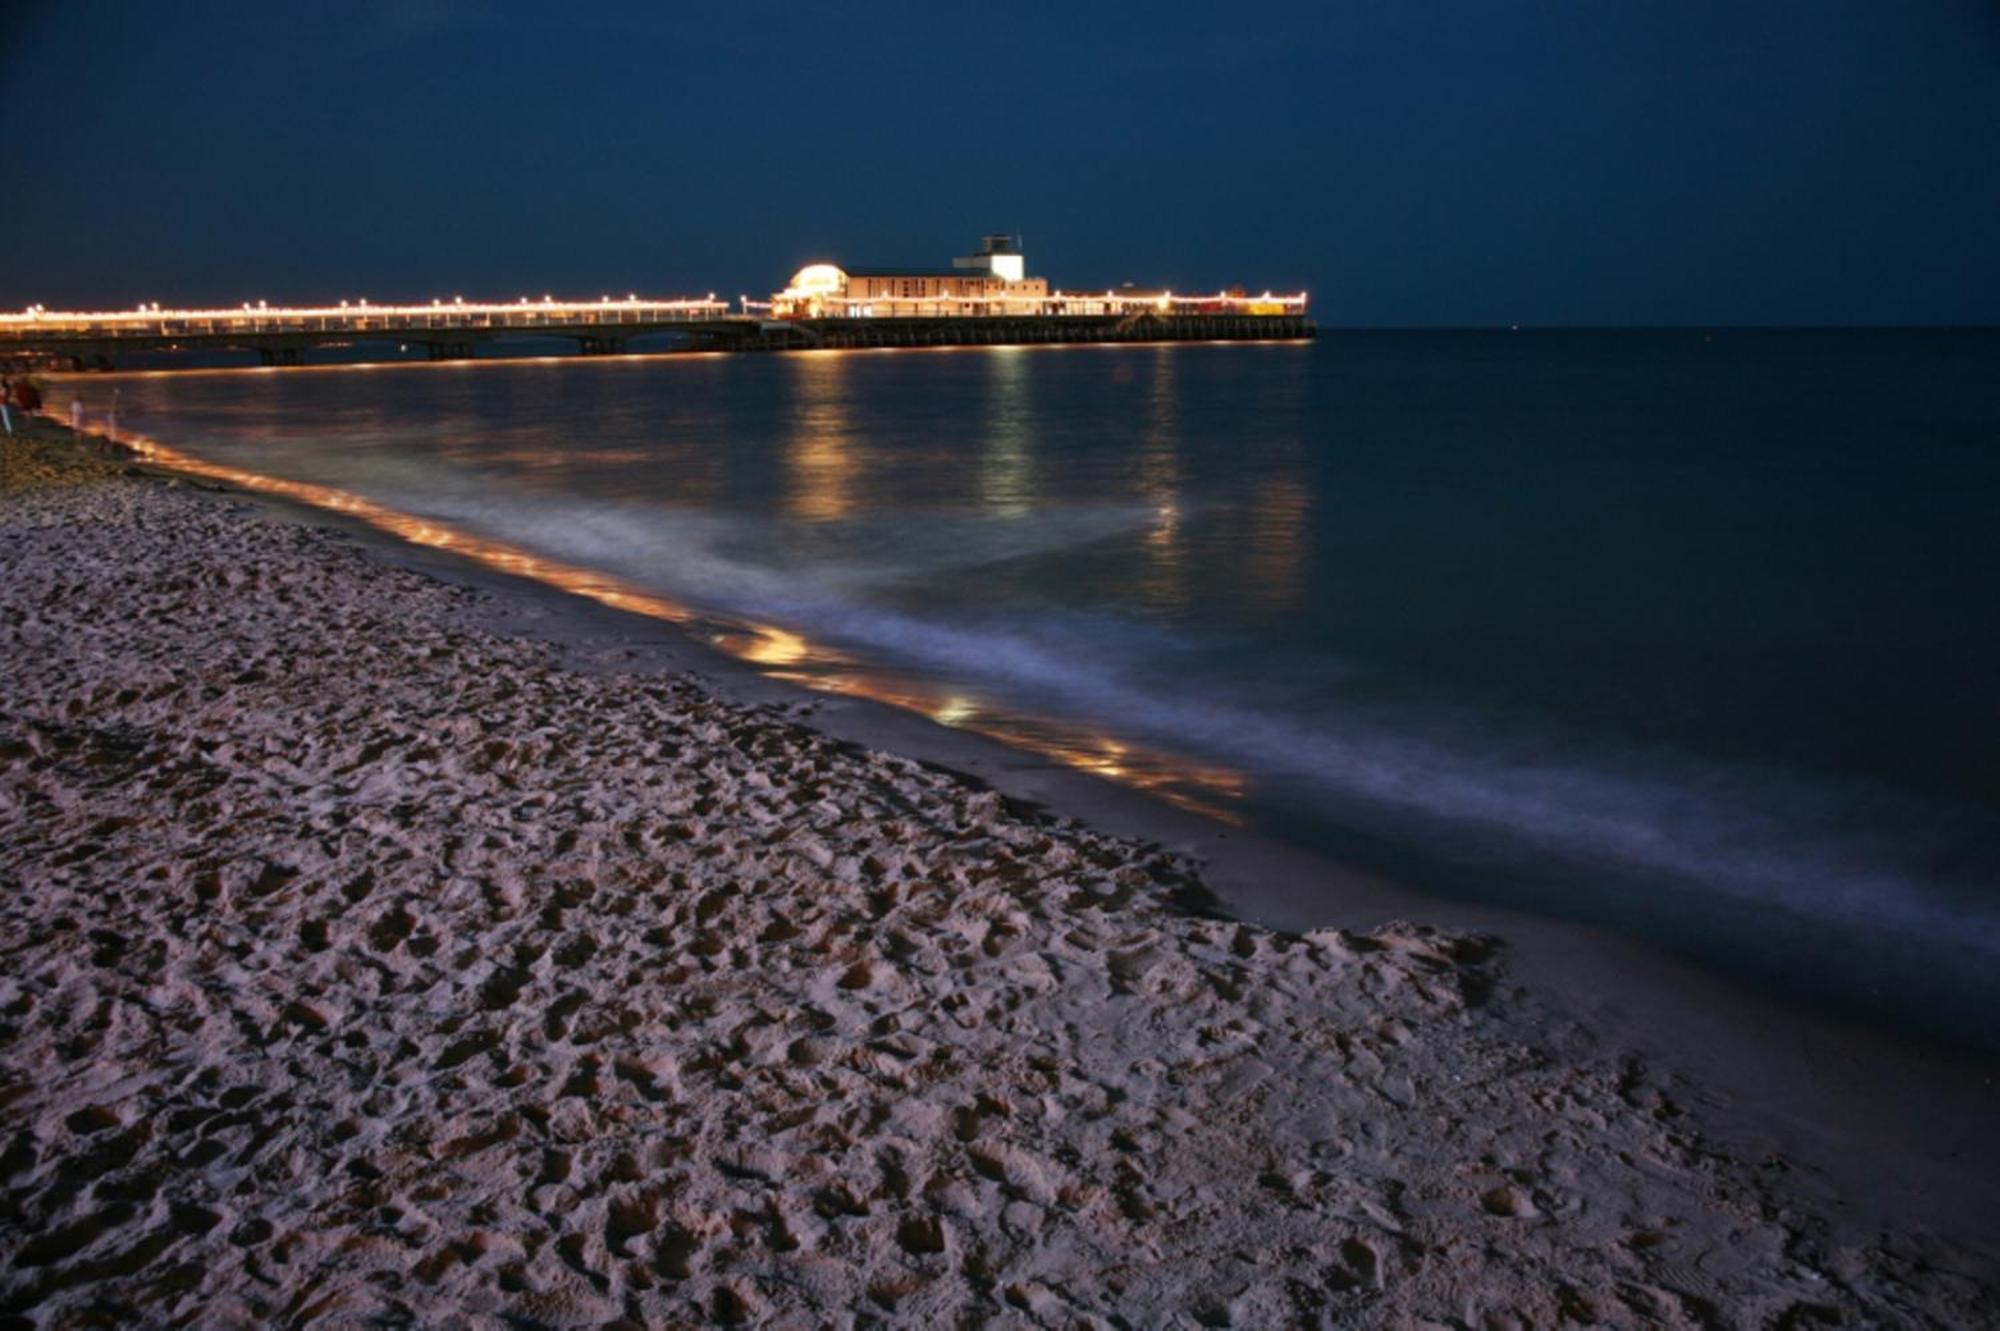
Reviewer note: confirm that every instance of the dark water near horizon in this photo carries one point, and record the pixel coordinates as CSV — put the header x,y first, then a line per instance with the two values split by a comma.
x,y
1688,634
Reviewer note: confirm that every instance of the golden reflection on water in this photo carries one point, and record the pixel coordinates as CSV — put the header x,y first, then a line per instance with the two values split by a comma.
x,y
776,652
1007,463
1164,585
365,366
820,452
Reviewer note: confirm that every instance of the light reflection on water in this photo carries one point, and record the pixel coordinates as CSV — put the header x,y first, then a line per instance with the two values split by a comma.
x,y
1662,630
776,652
1007,460
820,451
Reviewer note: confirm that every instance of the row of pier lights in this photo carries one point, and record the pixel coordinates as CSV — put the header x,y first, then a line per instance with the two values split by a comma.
x,y
151,320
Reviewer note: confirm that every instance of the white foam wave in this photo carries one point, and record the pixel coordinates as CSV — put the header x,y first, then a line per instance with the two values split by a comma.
x,y
1755,837
1758,837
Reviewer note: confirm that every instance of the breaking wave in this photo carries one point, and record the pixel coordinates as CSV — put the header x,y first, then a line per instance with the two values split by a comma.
x,y
1758,837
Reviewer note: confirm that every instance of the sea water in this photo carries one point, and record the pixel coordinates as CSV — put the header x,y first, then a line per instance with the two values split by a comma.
x,y
1689,634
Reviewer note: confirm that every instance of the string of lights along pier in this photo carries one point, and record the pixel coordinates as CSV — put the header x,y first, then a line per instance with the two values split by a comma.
x,y
983,298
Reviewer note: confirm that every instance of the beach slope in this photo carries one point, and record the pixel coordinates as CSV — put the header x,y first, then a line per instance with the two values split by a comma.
x,y
362,965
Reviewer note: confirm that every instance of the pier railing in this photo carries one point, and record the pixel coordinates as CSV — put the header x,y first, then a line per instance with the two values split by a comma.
x,y
457,329
360,317
151,321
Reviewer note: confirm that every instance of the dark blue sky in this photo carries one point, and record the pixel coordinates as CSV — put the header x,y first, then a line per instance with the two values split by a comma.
x,y
1409,161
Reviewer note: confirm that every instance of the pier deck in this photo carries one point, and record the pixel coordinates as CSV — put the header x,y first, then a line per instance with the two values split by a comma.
x,y
1003,330
449,332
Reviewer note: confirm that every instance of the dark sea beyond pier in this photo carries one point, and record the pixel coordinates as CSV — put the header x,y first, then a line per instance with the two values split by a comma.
x,y
1691,635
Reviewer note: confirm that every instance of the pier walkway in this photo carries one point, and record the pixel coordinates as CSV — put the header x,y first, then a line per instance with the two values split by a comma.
x,y
456,329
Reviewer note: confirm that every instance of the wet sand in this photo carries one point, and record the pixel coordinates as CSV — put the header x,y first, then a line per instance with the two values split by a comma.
x,y
379,948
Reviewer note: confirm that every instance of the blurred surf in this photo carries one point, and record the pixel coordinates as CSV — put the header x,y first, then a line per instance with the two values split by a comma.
x,y
1690,636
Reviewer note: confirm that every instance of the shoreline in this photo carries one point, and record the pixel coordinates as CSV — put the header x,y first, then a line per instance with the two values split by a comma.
x,y
1785,1076
1574,994
1793,1079
1797,1079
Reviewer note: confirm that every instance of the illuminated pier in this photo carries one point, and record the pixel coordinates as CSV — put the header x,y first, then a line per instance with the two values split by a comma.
x,y
282,335
984,299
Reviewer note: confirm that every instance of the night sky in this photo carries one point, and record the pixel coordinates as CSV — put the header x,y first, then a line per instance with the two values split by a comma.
x,y
1408,161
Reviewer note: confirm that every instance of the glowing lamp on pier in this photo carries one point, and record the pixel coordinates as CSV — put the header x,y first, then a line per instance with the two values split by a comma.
x,y
812,288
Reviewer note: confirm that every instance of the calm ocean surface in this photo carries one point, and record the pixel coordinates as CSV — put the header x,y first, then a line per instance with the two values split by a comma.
x,y
1692,635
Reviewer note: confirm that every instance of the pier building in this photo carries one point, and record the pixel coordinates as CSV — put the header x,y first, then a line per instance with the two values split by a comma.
x,y
992,282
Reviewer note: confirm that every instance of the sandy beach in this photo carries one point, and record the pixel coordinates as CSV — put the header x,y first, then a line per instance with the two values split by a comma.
x,y
366,965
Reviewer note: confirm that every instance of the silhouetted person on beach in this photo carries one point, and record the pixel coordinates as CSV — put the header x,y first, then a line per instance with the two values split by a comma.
x,y
76,413
7,406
